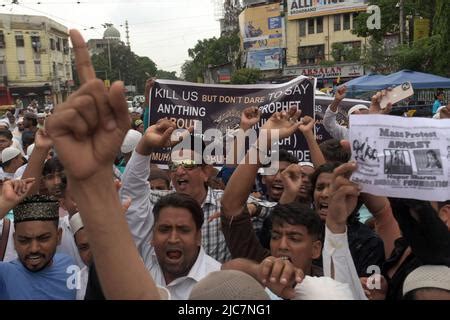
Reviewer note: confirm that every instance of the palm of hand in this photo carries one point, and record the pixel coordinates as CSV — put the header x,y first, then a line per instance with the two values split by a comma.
x,y
155,137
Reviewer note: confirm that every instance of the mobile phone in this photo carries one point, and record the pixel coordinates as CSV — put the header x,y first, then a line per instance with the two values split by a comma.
x,y
397,94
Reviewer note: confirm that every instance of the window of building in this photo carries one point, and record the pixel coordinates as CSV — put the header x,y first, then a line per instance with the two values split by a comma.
x,y
58,44
52,44
302,25
37,68
60,70
36,43
310,26
2,40
337,22
22,69
2,68
65,43
319,24
346,21
19,41
310,55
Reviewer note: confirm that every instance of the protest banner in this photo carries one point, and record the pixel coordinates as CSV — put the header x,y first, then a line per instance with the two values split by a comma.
x,y
219,107
401,157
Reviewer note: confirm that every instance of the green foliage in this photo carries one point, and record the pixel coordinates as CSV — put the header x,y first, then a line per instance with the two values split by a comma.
x,y
246,76
426,55
210,52
347,53
127,66
161,74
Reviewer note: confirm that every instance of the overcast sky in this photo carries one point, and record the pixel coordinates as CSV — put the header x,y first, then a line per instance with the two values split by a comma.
x,y
162,30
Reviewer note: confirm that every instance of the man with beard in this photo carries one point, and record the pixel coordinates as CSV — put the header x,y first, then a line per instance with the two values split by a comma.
x,y
38,273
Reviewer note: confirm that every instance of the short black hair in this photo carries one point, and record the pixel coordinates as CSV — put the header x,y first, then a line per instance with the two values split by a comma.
x,y
52,165
329,168
296,213
157,173
27,139
286,156
180,200
6,133
333,151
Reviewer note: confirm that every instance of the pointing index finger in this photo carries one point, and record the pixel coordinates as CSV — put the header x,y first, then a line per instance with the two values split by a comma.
x,y
84,67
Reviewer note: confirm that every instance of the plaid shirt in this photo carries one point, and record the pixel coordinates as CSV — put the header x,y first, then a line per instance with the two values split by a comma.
x,y
140,217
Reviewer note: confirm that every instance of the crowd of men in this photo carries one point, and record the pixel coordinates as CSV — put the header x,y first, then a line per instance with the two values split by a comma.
x,y
85,215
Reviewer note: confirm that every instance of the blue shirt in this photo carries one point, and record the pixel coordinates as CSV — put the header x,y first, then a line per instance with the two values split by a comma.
x,y
51,283
436,106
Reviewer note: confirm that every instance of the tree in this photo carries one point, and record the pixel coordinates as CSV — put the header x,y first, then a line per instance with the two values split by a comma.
x,y
210,52
246,76
170,75
125,66
424,55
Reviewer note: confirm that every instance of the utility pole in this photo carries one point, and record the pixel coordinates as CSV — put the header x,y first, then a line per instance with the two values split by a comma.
x,y
127,33
402,21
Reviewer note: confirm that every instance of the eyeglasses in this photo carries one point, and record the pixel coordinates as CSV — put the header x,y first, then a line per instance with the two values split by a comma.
x,y
186,164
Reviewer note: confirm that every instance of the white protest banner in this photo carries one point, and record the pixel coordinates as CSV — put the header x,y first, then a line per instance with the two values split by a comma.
x,y
401,157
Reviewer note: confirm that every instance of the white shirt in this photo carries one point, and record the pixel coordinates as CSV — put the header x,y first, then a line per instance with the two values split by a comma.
x,y
333,128
180,288
336,250
68,245
83,278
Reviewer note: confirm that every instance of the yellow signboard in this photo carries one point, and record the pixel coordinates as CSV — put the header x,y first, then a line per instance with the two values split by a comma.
x,y
262,27
107,83
421,28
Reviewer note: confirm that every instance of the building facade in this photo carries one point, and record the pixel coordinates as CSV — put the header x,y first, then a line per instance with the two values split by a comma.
x,y
320,42
35,61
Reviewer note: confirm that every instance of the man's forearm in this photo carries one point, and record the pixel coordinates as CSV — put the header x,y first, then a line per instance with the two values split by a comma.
x,y
110,238
317,157
240,185
35,167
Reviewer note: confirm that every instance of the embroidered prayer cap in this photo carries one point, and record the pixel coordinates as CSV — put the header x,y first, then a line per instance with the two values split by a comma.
x,y
37,208
427,277
228,285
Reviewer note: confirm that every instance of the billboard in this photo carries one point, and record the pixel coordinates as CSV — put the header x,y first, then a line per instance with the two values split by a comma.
x,y
262,27
266,59
299,9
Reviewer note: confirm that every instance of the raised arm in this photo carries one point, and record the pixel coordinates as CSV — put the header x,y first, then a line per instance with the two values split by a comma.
x,y
241,182
337,260
306,127
13,192
42,145
329,119
385,224
91,126
134,181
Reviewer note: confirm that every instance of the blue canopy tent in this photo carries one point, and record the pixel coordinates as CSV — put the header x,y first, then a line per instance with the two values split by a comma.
x,y
419,80
357,84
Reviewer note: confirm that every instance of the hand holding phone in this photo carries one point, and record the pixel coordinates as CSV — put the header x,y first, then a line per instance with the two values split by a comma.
x,y
397,94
